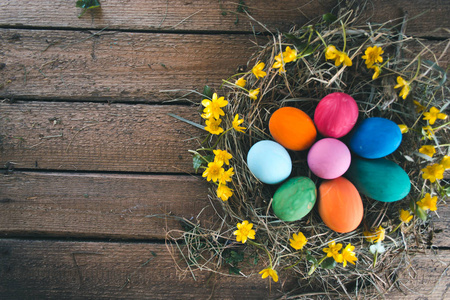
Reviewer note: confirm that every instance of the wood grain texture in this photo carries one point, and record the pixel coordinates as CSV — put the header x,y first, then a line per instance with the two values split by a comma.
x,y
101,205
132,67
57,269
98,137
115,66
426,18
120,206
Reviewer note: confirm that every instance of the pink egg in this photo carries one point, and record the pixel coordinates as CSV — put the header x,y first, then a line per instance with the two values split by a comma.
x,y
335,115
329,158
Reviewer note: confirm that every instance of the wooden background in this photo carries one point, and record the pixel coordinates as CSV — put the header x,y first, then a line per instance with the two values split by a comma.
x,y
89,154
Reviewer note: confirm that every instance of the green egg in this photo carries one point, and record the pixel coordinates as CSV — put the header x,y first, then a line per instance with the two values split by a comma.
x,y
379,179
294,199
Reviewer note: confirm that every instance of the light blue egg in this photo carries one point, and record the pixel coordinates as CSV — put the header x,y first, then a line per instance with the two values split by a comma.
x,y
269,162
379,179
375,138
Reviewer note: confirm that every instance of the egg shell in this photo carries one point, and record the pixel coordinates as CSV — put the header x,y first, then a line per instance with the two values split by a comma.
x,y
269,162
294,199
329,158
336,114
379,179
292,128
375,138
340,205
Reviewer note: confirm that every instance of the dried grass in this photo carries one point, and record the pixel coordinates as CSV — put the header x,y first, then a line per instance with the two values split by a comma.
x,y
305,82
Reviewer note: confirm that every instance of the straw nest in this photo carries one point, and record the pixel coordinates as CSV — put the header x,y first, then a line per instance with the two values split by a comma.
x,y
304,83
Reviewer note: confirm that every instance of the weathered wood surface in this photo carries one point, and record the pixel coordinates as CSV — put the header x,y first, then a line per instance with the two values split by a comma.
x,y
100,205
58,269
97,137
426,18
129,66
75,65
88,205
95,171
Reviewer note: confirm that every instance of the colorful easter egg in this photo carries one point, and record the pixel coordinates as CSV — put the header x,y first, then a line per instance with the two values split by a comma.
x,y
379,179
269,162
329,158
375,138
292,128
340,205
294,199
336,114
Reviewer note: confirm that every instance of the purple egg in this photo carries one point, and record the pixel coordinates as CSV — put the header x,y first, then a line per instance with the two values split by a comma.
x,y
329,158
335,115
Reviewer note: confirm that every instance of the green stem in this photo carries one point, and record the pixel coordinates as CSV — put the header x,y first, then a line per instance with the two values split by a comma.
x,y
417,71
395,229
321,38
220,136
375,259
439,127
235,85
344,35
262,248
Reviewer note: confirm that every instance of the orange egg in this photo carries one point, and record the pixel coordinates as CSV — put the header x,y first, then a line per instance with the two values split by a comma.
x,y
292,128
340,205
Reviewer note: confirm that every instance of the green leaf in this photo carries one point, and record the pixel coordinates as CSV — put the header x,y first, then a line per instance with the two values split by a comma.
x,y
88,4
197,161
234,270
421,214
328,263
311,259
329,18
207,91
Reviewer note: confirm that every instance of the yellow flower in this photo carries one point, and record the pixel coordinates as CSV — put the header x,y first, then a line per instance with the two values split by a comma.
x,y
373,55
419,107
222,156
212,126
403,128
226,176
258,70
269,272
348,255
331,52
402,83
244,231
433,172
213,107
253,94
433,115
427,150
236,122
333,251
214,171
289,54
405,216
428,202
375,235
278,64
298,241
241,82
377,71
428,132
224,192
342,58
445,162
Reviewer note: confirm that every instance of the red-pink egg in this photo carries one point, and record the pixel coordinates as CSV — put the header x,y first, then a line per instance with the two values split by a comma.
x,y
329,158
336,114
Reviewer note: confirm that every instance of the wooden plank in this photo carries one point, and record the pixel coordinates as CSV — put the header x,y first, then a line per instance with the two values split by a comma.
x,y
427,18
57,269
97,137
115,66
53,269
118,206
119,66
101,205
